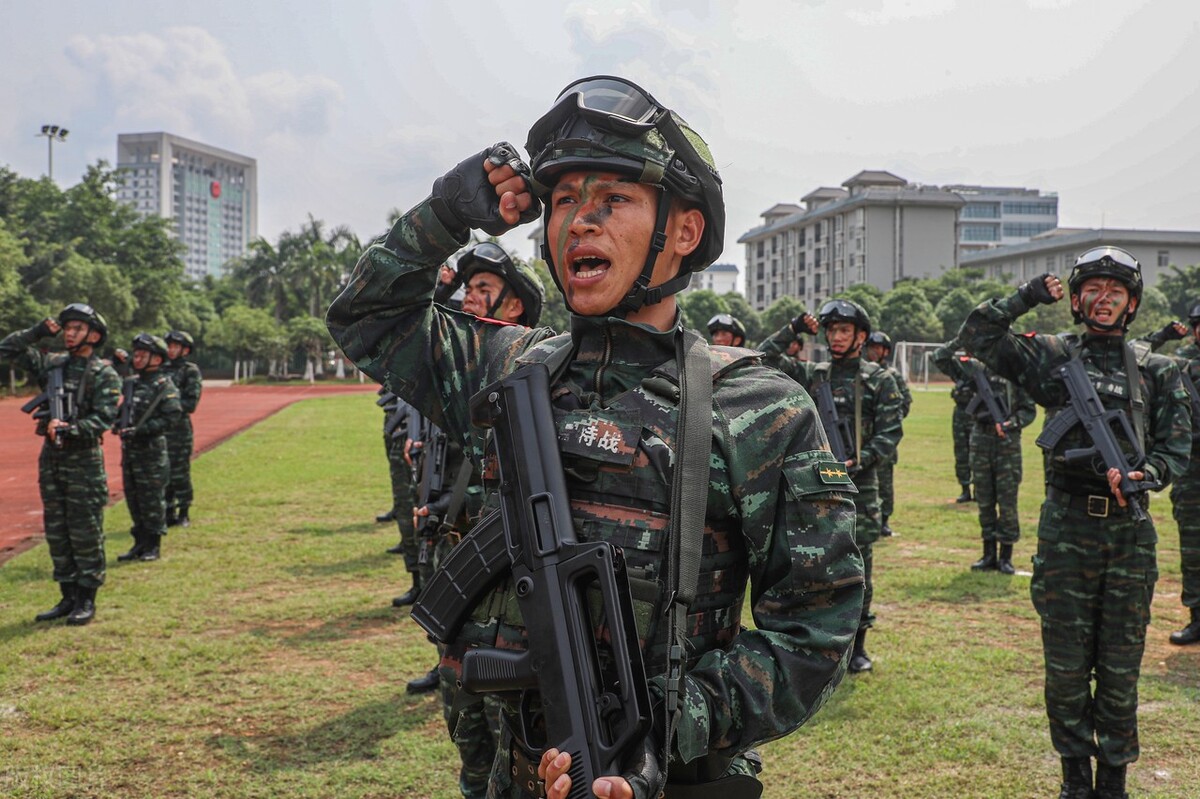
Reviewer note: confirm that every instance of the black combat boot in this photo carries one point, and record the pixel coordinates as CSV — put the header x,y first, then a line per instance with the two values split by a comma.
x,y
859,659
151,550
1004,562
396,550
1189,634
886,531
172,516
1077,778
135,551
1110,782
965,496
410,596
423,685
64,606
184,521
988,562
384,518
85,607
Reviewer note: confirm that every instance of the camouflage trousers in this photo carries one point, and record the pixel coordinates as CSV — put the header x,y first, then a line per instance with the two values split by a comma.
x,y
1093,579
74,491
145,471
868,525
961,424
1185,507
996,469
180,443
403,499
887,488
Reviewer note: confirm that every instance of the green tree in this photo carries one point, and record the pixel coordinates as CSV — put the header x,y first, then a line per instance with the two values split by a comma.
x,y
554,310
952,310
699,306
907,315
780,312
868,296
310,336
246,334
18,309
1182,287
741,309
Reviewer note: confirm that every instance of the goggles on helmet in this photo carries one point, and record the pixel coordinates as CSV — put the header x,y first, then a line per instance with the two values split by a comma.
x,y
721,321
490,253
83,309
838,309
609,103
1117,256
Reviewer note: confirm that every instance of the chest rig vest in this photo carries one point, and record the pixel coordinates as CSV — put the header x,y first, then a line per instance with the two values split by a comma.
x,y
1109,368
854,389
77,376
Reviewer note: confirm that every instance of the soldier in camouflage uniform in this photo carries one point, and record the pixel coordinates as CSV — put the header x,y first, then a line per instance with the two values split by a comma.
x,y
879,350
1094,573
1185,491
71,476
774,490
400,425
864,393
727,331
995,457
960,427
180,441
150,407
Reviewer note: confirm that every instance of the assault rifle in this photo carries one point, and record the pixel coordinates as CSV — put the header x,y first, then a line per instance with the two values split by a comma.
x,y
125,423
591,709
837,429
431,489
1102,428
53,403
984,395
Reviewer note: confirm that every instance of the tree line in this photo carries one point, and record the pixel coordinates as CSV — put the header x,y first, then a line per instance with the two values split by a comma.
x,y
79,244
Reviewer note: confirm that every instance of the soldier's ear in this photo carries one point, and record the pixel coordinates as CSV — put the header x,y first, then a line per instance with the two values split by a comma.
x,y
93,336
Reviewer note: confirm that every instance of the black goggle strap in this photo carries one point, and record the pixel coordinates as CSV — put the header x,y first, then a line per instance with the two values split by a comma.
x,y
495,306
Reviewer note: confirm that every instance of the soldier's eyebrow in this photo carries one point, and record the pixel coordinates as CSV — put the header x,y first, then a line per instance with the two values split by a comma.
x,y
570,185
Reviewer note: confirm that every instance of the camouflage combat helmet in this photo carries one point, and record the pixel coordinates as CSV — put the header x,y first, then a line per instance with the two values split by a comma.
x,y
724,321
85,313
605,123
151,343
844,311
519,276
1107,262
180,337
1194,315
880,338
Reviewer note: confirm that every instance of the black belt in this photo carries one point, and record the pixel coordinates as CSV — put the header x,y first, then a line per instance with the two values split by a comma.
x,y
525,773
1095,505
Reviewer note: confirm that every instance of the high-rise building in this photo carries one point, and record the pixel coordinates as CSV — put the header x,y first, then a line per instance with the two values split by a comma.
x,y
211,194
996,216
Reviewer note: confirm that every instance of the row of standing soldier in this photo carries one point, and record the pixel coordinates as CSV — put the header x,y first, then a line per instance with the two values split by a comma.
x,y
81,401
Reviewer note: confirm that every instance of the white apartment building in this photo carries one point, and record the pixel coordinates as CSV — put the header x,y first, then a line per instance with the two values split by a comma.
x,y
717,278
211,194
877,228
997,216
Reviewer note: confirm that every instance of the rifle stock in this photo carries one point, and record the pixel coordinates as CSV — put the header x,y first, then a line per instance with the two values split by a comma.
x,y
984,395
837,429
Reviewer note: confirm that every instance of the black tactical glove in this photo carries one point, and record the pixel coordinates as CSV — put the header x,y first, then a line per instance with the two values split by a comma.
x,y
463,199
42,329
804,323
1172,333
1034,292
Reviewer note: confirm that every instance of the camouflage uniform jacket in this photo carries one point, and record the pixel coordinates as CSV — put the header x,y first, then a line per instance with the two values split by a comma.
x,y
769,515
882,403
1188,359
147,387
902,387
1030,360
187,378
962,368
94,383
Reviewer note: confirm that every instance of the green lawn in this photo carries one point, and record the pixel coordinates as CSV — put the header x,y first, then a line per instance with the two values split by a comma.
x,y
261,657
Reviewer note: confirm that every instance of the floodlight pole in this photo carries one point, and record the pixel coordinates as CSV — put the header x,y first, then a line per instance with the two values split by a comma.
x,y
52,132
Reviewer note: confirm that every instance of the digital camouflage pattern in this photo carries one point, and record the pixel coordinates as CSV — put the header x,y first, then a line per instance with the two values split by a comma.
x,y
879,421
886,468
995,461
145,468
770,516
960,428
180,440
1093,575
72,481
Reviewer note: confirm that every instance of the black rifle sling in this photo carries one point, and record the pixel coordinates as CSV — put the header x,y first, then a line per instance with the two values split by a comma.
x,y
689,503
150,408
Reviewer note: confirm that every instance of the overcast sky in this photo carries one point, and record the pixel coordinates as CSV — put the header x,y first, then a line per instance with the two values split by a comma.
x,y
353,108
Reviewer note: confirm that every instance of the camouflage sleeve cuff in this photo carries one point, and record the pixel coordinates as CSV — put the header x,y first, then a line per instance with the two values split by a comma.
x,y
1013,306
422,232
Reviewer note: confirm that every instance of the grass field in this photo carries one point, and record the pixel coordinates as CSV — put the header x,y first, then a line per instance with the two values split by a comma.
x,y
261,657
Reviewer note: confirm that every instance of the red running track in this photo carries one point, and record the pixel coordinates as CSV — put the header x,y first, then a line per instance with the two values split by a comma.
x,y
224,411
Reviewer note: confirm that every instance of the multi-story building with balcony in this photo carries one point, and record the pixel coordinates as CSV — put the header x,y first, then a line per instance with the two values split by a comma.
x,y
211,195
996,216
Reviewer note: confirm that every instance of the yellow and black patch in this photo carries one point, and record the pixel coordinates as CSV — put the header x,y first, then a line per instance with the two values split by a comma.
x,y
831,473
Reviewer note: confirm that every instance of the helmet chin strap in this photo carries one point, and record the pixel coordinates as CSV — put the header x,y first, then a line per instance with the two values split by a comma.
x,y
640,294
500,298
